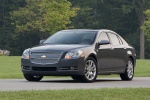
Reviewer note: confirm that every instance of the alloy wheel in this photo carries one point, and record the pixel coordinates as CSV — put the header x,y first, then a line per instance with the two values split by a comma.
x,y
90,69
130,69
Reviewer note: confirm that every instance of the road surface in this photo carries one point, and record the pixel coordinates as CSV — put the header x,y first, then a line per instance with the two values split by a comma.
x,y
58,84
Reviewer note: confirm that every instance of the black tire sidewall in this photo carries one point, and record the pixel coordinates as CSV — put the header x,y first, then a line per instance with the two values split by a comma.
x,y
32,78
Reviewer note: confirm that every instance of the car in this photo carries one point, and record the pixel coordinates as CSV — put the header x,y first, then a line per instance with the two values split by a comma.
x,y
80,53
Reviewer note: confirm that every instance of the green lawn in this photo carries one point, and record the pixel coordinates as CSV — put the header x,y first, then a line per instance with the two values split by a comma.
x,y
92,94
10,67
142,68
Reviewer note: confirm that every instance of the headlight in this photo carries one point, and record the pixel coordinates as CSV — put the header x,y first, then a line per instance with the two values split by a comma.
x,y
25,54
73,54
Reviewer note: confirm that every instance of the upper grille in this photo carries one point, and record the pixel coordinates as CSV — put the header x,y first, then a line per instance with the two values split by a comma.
x,y
45,57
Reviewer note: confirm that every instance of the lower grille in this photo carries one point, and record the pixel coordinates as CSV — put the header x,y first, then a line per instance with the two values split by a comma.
x,y
44,61
69,68
44,68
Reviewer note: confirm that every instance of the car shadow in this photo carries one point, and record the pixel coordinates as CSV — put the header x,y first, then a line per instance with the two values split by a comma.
x,y
76,81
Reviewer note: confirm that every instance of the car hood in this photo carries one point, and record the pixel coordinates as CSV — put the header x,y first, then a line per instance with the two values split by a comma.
x,y
56,47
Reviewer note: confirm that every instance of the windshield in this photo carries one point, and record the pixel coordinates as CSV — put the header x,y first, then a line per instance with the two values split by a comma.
x,y
72,37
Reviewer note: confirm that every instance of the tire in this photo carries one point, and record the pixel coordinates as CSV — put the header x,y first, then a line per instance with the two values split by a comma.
x,y
90,71
129,71
32,78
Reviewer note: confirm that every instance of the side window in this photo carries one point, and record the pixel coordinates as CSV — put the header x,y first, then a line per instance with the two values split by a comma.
x,y
120,40
103,36
123,41
114,39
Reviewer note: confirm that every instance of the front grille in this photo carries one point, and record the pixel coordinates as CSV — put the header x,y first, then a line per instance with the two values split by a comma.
x,y
45,57
44,68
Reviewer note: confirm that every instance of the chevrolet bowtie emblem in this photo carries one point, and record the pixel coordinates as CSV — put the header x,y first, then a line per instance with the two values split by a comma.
x,y
43,56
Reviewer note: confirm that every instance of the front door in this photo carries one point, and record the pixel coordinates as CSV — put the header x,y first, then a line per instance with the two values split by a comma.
x,y
105,55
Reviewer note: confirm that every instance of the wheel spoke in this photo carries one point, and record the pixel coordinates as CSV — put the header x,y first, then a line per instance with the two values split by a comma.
x,y
91,63
130,69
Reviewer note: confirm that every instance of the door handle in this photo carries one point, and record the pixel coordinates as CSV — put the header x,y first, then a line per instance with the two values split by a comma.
x,y
125,48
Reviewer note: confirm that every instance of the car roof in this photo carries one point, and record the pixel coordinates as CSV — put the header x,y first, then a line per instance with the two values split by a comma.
x,y
100,30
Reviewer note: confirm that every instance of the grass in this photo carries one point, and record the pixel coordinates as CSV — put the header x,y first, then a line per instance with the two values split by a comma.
x,y
92,94
10,68
142,68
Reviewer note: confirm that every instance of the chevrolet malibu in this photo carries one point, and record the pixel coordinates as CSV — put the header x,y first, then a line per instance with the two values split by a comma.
x,y
81,54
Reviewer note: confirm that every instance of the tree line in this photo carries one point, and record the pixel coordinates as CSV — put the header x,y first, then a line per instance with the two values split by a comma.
x,y
24,22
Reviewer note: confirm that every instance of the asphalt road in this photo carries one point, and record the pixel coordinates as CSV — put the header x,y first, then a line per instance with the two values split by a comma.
x,y
57,84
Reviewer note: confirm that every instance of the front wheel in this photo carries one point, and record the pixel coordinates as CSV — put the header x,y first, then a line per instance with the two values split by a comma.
x,y
32,77
129,71
90,71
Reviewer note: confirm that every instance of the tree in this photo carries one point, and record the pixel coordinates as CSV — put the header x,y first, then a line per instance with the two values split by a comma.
x,y
146,26
45,16
37,20
110,14
141,6
6,30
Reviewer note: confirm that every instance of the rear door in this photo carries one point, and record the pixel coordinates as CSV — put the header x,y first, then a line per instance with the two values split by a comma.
x,y
119,52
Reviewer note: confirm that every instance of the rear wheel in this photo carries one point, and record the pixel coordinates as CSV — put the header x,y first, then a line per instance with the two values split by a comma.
x,y
129,71
90,71
32,77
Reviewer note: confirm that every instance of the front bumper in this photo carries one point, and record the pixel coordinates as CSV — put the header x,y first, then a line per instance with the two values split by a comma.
x,y
62,68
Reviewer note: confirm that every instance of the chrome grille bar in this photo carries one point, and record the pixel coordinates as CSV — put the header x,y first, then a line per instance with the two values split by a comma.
x,y
45,57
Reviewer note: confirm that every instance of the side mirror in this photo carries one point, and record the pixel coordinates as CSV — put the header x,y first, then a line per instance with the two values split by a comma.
x,y
103,42
41,41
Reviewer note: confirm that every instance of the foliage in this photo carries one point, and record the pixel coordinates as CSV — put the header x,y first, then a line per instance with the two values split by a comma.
x,y
47,16
116,15
6,29
146,26
37,20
